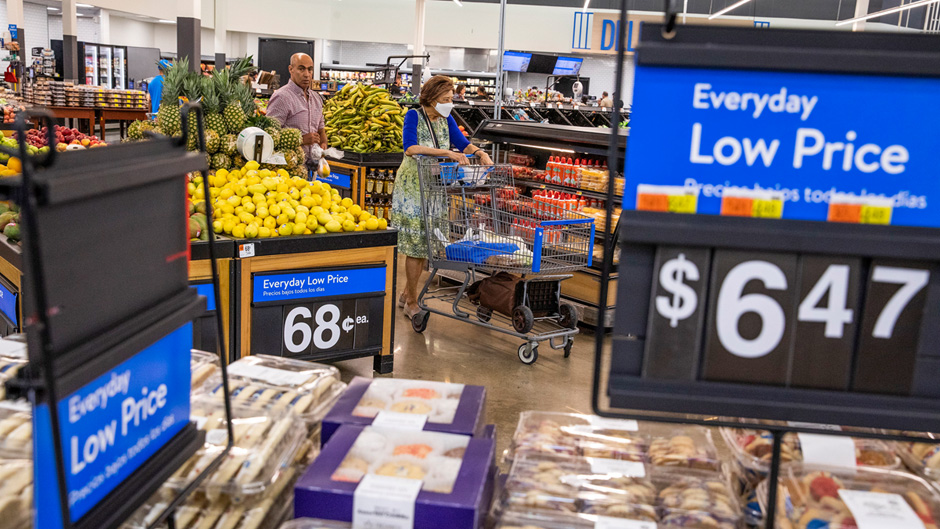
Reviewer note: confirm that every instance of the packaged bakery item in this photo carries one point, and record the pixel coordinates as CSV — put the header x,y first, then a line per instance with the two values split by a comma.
x,y
817,498
578,435
16,493
203,366
449,474
431,406
278,385
265,446
923,458
16,430
313,523
11,364
513,520
690,447
586,488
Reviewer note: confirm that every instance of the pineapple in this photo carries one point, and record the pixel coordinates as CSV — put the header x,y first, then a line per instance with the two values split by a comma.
x,y
168,117
212,108
289,139
220,161
234,117
301,155
291,158
229,144
134,131
275,136
213,141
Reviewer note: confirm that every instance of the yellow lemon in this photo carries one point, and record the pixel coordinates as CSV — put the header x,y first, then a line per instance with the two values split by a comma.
x,y
227,208
307,202
383,224
324,218
364,216
246,200
269,183
275,210
282,219
254,180
349,225
300,217
217,226
289,211
316,210
214,192
266,173
222,172
282,187
311,223
251,231
270,223
257,188
308,232
239,210
225,193
264,232
252,165
299,229
250,207
306,192
303,209
333,227
316,187
319,230
235,201
317,200
261,211
228,225
294,193
283,173
372,224
258,198
327,188
219,180
347,202
286,229
241,190
238,231
245,217
355,210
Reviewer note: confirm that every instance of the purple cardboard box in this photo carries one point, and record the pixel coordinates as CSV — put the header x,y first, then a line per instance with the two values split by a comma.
x,y
318,495
463,415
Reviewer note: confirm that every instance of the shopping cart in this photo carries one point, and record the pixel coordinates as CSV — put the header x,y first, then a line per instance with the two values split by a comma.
x,y
477,221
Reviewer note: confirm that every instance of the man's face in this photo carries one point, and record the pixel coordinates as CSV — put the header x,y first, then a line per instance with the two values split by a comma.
x,y
302,72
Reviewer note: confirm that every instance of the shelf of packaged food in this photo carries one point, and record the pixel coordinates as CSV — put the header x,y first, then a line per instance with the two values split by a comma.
x,y
573,190
584,140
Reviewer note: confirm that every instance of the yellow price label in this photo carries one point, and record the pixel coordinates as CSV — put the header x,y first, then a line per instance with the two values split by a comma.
x,y
683,204
876,215
767,209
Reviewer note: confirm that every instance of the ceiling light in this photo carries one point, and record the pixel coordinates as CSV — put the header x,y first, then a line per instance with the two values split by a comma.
x,y
84,5
732,7
52,8
544,148
586,4
889,11
458,2
164,21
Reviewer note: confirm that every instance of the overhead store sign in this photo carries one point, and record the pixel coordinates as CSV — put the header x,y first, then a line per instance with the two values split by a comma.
x,y
593,32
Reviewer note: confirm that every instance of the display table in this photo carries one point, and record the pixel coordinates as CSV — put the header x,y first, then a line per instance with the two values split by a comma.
x,y
121,115
75,113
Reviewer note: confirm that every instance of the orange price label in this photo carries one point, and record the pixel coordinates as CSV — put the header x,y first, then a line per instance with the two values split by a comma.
x,y
646,202
851,213
737,206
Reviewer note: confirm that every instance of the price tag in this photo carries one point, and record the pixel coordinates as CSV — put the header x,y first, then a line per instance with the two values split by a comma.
x,y
277,377
217,437
848,208
671,199
246,250
876,510
816,425
399,421
607,522
767,209
615,467
385,502
737,206
827,450
876,215
850,213
12,349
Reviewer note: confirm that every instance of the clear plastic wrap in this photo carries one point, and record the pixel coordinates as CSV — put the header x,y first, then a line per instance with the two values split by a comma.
x,y
923,458
265,447
812,497
16,430
9,366
203,366
437,400
312,523
278,385
540,485
16,493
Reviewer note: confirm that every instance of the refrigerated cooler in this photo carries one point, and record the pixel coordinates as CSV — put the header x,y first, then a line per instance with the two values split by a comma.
x,y
105,65
119,69
89,54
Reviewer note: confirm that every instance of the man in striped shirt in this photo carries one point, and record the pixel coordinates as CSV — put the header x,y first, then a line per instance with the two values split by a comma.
x,y
295,105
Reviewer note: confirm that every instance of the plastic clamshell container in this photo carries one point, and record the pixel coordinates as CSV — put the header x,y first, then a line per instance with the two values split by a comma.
x,y
923,458
265,447
686,447
16,430
810,496
314,523
753,449
540,485
278,385
513,520
572,434
203,366
16,493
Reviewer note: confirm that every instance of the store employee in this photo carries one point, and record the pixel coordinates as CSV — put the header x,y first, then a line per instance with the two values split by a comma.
x,y
296,106
155,87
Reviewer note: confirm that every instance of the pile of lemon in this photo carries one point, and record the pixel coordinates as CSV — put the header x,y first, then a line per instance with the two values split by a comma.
x,y
251,203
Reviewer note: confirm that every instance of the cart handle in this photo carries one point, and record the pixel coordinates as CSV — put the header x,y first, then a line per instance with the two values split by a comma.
x,y
565,222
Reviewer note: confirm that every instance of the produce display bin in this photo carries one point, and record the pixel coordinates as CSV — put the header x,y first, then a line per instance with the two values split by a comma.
x,y
356,166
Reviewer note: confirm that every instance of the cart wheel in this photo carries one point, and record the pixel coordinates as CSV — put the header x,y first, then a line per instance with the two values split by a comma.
x,y
529,353
522,319
568,315
419,322
484,314
568,347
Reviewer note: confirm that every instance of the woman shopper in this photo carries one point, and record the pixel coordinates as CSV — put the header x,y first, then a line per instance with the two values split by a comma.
x,y
430,131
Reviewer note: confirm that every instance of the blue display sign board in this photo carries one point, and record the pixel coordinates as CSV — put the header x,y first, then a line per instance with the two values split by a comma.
x,y
320,284
336,180
207,290
13,31
808,135
111,426
8,304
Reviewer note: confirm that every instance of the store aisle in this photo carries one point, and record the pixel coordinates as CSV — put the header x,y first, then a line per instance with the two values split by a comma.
x,y
451,351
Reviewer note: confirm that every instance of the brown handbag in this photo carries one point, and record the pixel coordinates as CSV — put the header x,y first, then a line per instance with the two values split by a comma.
x,y
501,292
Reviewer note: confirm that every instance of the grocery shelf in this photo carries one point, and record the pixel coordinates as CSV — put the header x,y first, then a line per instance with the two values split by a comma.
x,y
199,250
321,243
584,140
565,189
365,159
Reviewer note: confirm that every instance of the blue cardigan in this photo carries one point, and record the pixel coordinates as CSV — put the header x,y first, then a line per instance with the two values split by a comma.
x,y
410,132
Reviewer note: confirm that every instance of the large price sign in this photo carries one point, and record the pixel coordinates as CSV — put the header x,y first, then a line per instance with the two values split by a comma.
x,y
319,314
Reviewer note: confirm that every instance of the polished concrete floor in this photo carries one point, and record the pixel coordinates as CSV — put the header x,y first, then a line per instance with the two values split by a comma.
x,y
453,351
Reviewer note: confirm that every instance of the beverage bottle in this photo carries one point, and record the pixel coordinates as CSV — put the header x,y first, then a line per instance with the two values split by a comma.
x,y
550,168
569,169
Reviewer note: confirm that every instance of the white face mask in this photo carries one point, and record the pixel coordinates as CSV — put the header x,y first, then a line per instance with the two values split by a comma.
x,y
444,109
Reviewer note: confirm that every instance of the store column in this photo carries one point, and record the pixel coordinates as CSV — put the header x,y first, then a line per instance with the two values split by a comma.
x,y
69,40
221,33
189,32
419,46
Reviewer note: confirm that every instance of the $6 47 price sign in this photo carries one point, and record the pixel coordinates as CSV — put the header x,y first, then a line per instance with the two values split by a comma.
x,y
740,293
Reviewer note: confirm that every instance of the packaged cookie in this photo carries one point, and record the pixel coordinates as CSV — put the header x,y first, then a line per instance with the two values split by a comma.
x,y
514,520
754,449
203,366
9,366
437,406
817,498
278,385
16,493
16,430
265,446
923,458
690,447
578,435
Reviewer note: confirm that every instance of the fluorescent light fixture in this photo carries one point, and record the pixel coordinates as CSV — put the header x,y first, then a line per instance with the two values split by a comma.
x,y
889,11
544,148
84,5
164,21
586,4
459,3
730,8
52,8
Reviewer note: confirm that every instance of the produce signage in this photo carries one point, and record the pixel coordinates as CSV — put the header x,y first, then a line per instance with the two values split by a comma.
x,y
8,304
804,135
313,314
336,180
111,426
207,290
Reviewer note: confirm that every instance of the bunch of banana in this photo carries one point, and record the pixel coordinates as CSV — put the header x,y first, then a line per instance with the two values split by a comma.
x,y
364,119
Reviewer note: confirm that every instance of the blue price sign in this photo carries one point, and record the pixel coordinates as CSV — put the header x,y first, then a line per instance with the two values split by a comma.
x,y
13,31
320,284
336,180
207,290
8,304
806,135
111,426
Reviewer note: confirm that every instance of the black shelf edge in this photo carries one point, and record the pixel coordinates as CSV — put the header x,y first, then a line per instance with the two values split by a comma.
x,y
338,357
372,158
618,199
11,252
199,250
585,140
322,243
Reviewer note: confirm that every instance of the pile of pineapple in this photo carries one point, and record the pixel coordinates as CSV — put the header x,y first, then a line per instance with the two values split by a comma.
x,y
229,108
253,202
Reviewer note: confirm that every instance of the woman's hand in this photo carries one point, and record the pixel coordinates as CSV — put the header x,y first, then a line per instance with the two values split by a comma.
x,y
484,158
458,157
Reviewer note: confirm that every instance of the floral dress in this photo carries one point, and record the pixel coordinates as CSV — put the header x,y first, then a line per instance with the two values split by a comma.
x,y
406,198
